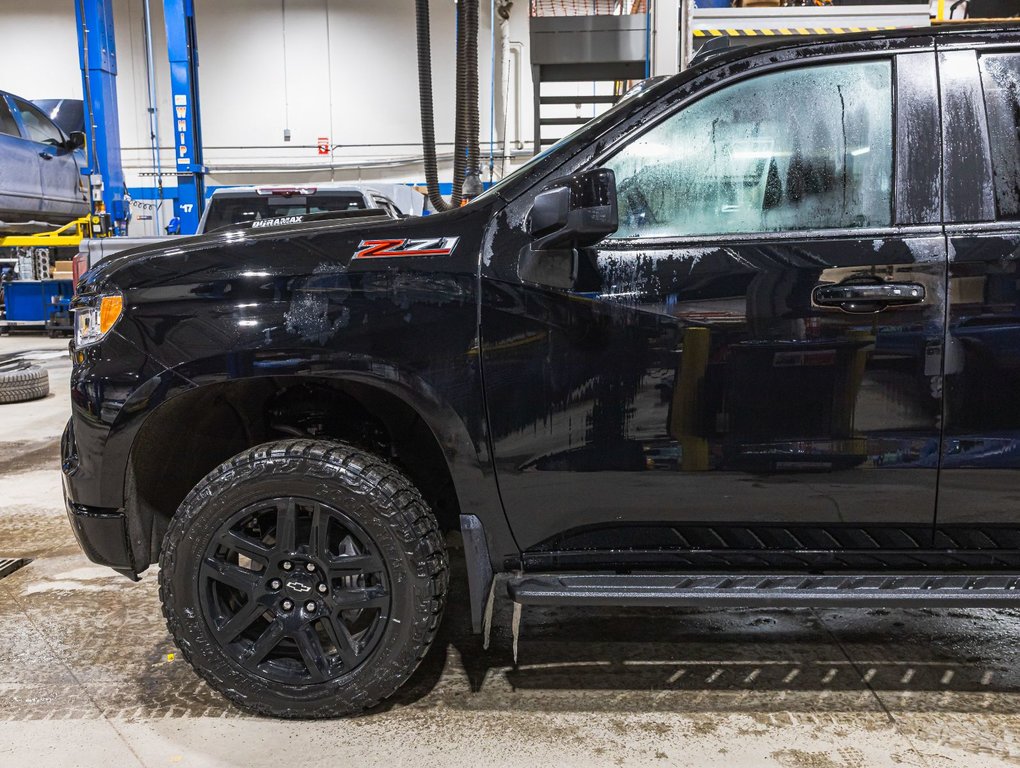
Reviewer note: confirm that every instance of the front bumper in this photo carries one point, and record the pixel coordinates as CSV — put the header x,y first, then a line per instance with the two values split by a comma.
x,y
102,533
102,536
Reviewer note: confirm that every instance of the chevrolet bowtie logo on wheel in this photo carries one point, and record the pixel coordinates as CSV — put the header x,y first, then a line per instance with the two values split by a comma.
x,y
297,586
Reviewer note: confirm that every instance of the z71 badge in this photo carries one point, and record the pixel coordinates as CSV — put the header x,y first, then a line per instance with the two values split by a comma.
x,y
392,249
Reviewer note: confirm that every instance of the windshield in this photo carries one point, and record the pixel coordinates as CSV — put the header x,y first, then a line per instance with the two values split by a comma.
x,y
526,167
231,209
519,172
68,114
605,118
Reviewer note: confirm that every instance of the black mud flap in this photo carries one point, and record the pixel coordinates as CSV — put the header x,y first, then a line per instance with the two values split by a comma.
x,y
479,568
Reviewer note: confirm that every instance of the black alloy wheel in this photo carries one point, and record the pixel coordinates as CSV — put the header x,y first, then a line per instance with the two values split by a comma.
x,y
295,590
304,578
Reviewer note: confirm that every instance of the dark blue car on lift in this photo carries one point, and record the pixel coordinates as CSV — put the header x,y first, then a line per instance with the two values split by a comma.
x,y
40,167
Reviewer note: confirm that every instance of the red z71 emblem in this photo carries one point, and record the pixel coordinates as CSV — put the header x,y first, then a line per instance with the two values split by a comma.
x,y
391,249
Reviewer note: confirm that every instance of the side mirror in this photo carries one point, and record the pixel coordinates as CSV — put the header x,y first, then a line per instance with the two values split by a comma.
x,y
575,211
76,140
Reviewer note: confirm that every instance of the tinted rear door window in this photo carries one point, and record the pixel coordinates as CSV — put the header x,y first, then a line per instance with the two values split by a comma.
x,y
1000,79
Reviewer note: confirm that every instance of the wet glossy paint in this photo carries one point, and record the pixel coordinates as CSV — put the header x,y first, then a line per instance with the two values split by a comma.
x,y
690,395
980,475
638,403
699,385
980,479
293,307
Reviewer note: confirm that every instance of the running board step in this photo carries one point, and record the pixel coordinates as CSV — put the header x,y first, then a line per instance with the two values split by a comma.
x,y
765,590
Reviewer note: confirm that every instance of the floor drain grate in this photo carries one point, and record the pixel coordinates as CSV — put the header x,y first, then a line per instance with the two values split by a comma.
x,y
9,565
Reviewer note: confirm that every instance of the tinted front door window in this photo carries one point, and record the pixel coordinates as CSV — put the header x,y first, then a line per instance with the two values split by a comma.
x,y
793,150
38,126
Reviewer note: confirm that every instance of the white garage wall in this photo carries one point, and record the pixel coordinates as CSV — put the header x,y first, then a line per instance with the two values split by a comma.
x,y
39,50
345,69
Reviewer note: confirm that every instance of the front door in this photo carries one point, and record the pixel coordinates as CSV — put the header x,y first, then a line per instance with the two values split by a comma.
x,y
749,371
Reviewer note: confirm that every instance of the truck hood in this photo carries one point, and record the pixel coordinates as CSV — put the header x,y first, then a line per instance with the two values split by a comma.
x,y
298,249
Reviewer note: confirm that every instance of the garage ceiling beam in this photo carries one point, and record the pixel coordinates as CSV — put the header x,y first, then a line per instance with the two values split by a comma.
x,y
97,55
182,48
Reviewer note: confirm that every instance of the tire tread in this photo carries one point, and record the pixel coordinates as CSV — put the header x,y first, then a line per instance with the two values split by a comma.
x,y
413,520
23,384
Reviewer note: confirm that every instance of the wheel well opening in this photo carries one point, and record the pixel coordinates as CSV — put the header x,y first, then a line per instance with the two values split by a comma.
x,y
192,434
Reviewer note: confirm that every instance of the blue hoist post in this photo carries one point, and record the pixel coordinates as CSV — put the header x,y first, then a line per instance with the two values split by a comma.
x,y
97,54
182,47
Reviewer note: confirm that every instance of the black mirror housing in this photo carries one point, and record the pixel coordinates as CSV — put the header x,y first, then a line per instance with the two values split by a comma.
x,y
575,211
76,140
549,212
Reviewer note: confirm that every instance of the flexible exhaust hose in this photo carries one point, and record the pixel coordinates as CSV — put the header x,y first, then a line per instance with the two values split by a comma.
x,y
462,123
428,126
471,102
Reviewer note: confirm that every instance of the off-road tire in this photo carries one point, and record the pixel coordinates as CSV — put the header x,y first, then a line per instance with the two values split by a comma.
x,y
20,384
370,491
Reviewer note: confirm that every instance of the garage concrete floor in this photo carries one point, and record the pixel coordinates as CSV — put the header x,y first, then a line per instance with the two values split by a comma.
x,y
87,675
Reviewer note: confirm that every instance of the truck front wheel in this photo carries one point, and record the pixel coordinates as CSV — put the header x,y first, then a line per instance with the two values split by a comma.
x,y
304,578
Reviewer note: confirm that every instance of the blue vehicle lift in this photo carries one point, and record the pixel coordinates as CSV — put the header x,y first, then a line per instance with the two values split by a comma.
x,y
182,47
97,54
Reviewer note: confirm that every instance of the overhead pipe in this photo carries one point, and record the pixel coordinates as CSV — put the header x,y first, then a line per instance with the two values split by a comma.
x,y
150,77
492,86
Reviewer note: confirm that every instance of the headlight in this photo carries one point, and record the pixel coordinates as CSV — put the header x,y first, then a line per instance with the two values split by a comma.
x,y
95,316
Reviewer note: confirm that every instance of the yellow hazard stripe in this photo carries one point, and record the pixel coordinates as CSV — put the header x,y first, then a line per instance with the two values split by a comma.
x,y
788,31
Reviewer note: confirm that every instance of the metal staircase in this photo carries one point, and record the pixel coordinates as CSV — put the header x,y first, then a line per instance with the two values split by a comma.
x,y
598,43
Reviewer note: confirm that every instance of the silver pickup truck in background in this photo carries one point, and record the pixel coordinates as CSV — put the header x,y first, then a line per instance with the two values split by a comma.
x,y
233,206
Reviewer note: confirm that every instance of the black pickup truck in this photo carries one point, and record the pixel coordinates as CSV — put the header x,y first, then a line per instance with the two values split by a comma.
x,y
751,337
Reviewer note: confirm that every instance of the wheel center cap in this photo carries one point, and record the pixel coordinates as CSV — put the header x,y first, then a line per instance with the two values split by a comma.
x,y
300,585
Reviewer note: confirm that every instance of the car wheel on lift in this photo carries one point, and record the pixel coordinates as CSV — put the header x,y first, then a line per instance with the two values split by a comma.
x,y
304,578
24,382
